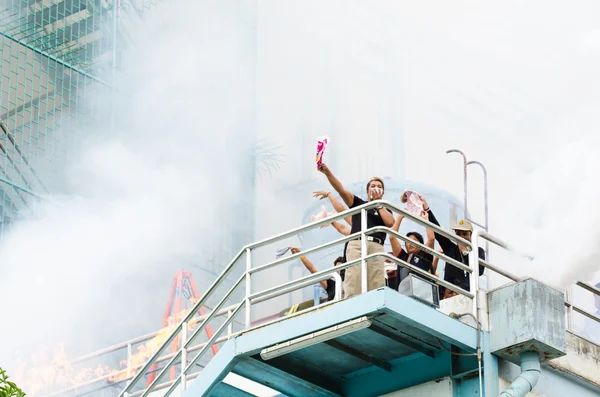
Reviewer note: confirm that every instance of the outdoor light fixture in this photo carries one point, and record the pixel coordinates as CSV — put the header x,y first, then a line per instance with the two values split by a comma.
x,y
315,338
423,291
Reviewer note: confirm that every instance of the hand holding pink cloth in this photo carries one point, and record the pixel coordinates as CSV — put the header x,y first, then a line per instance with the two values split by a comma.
x,y
321,146
413,202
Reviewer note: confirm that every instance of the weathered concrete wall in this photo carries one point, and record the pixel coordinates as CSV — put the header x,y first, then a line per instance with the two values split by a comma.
x,y
582,360
527,316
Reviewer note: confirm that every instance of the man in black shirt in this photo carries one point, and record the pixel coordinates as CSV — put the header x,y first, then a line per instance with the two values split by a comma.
x,y
375,217
457,252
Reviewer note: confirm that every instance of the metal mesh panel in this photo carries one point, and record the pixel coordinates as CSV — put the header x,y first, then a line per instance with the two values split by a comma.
x,y
55,55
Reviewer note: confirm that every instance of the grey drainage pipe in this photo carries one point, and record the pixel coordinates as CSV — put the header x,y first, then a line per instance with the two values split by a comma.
x,y
530,373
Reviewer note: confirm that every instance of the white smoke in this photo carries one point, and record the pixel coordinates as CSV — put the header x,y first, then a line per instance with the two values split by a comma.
x,y
394,84
156,194
521,98
552,212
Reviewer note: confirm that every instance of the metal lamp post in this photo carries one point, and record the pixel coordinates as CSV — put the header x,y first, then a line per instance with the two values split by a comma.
x,y
485,202
464,177
466,163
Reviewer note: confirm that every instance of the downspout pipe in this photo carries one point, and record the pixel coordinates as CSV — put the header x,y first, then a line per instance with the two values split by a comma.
x,y
530,373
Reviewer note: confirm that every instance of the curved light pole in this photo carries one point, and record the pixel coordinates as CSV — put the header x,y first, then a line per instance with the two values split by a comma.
x,y
485,202
485,194
464,177
485,191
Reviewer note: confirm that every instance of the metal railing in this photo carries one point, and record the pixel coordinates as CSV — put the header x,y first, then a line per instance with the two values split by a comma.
x,y
129,346
571,307
186,364
246,279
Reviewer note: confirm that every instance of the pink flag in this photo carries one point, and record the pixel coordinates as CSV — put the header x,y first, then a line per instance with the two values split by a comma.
x,y
321,145
414,205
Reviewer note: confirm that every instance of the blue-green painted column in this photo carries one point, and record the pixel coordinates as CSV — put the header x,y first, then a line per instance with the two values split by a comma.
x,y
490,368
466,387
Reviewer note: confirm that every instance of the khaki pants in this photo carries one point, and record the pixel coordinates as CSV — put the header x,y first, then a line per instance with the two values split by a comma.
x,y
375,269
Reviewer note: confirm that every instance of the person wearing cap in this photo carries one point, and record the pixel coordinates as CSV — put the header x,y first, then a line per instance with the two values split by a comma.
x,y
456,251
375,217
448,293
591,328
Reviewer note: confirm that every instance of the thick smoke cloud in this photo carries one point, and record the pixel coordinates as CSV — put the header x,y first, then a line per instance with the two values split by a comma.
x,y
94,267
394,84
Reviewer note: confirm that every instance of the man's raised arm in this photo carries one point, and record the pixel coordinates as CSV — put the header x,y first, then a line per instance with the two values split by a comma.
x,y
337,185
339,207
444,241
387,217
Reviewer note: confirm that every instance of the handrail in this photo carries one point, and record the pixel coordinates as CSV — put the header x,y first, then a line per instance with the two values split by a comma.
x,y
305,281
424,273
495,240
187,343
306,252
223,312
181,351
175,331
568,295
582,311
165,385
290,286
352,211
113,374
248,250
501,243
282,289
259,296
137,340
588,287
425,248
354,236
496,269
572,307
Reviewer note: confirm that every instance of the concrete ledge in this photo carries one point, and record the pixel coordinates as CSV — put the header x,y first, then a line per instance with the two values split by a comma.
x,y
582,360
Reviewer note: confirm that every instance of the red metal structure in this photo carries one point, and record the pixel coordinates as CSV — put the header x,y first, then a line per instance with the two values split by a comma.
x,y
183,290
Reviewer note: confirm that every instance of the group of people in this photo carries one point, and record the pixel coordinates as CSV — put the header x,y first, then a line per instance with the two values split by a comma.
x,y
412,254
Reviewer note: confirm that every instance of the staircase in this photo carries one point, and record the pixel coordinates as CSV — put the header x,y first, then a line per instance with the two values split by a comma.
x,y
375,344
326,350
